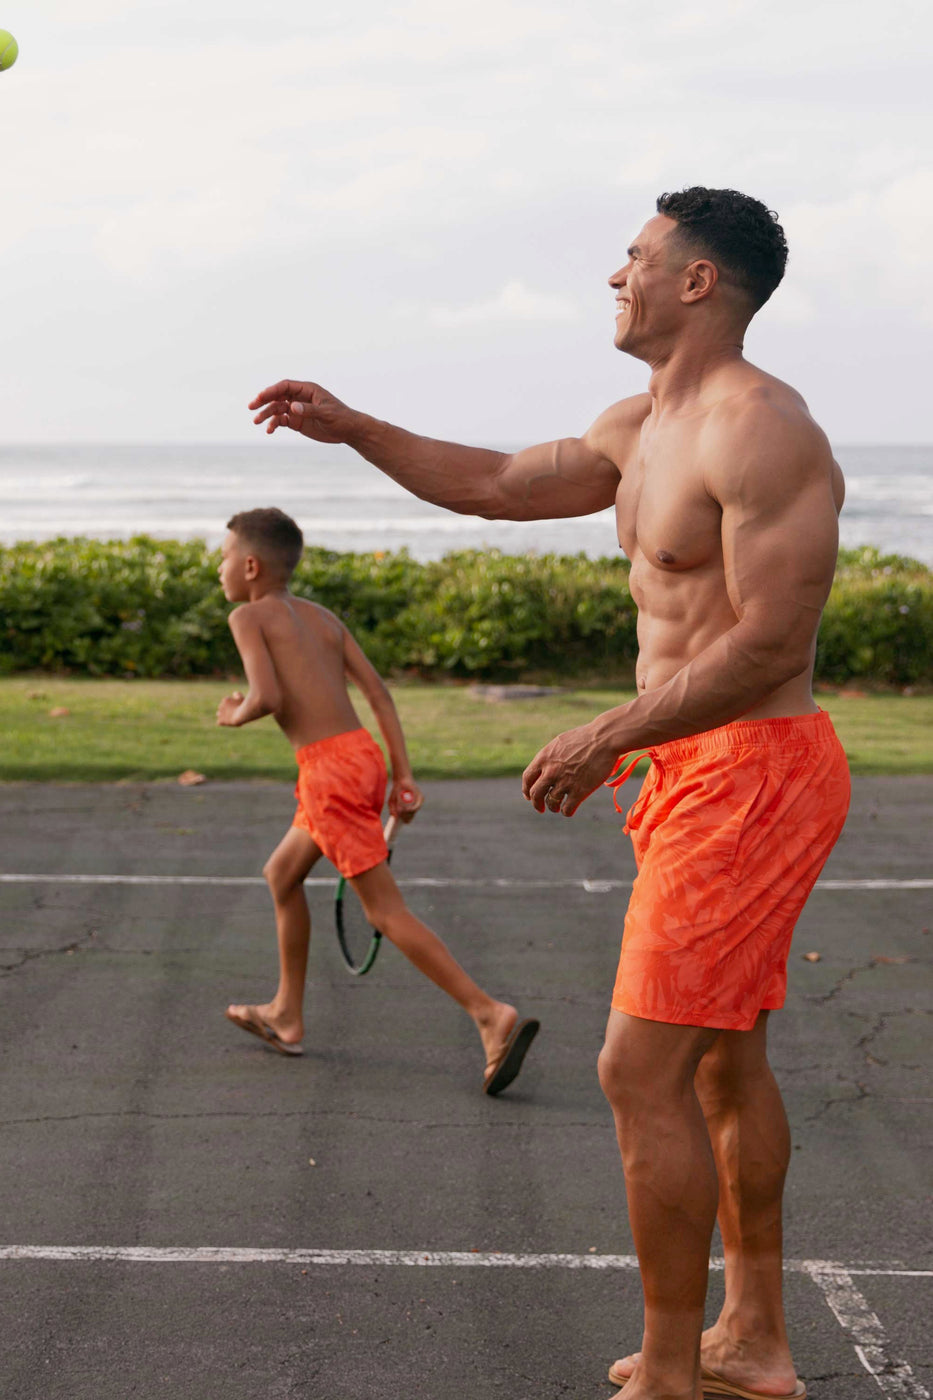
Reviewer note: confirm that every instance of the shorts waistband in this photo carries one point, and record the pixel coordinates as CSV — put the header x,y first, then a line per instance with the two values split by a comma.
x,y
814,728
332,741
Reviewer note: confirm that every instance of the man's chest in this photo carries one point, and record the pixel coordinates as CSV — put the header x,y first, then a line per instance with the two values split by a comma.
x,y
664,512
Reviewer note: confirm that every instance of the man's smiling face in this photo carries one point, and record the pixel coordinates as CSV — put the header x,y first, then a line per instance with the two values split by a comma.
x,y
648,288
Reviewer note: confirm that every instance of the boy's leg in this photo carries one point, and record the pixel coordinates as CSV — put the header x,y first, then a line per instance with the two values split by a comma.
x,y
285,872
387,911
647,1071
751,1143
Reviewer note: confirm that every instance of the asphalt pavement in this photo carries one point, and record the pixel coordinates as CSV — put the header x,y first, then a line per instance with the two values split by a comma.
x,y
134,1115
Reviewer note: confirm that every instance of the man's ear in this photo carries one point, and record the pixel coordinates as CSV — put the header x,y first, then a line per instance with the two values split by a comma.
x,y
701,278
251,568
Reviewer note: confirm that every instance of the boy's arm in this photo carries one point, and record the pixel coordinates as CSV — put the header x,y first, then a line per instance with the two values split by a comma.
x,y
405,796
264,694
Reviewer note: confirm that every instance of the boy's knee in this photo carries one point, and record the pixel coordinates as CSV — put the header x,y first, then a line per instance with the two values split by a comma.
x,y
278,876
381,911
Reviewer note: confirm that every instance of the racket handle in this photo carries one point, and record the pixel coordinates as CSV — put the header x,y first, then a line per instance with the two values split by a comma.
x,y
391,831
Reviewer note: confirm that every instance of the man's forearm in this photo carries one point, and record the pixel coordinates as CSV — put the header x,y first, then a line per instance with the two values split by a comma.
x,y
719,685
460,478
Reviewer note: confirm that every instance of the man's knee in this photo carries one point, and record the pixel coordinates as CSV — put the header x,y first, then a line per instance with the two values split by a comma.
x,y
626,1078
733,1066
644,1062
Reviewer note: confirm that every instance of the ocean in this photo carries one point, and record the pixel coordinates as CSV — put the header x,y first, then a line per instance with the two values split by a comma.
x,y
341,502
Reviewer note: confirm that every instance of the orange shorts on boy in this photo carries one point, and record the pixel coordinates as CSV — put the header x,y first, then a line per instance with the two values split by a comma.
x,y
340,790
730,830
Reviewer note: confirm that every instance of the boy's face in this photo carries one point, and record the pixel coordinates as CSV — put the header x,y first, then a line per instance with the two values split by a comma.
x,y
237,568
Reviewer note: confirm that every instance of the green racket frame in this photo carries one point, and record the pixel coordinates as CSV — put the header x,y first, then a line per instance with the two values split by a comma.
x,y
372,952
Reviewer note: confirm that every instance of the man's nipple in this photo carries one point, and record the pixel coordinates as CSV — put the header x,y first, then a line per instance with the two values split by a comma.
x,y
664,556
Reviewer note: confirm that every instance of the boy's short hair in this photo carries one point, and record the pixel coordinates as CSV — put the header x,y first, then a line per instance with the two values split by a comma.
x,y
272,534
739,233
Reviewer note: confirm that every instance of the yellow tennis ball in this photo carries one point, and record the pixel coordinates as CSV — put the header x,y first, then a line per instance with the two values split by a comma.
x,y
9,49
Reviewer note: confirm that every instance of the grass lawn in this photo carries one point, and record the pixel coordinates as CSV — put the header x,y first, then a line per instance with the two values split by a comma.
x,y
133,730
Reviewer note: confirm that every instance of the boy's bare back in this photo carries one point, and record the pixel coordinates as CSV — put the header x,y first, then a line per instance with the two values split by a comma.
x,y
308,650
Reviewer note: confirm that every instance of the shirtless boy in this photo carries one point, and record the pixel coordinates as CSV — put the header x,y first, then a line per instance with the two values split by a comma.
x,y
726,497
298,658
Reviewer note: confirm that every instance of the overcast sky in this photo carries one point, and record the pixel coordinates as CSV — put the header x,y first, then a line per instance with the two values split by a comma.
x,y
418,205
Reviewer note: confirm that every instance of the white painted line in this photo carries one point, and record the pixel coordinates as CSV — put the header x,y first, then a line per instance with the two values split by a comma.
x,y
851,1310
417,882
874,885
410,1258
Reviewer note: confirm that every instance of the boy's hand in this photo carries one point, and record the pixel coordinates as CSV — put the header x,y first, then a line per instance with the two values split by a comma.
x,y
405,799
228,708
305,408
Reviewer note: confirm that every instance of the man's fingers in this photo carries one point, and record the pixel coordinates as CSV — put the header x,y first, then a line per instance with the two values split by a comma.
x,y
529,776
283,414
285,389
539,790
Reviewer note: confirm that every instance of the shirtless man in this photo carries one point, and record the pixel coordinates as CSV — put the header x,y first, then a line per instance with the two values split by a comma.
x,y
726,497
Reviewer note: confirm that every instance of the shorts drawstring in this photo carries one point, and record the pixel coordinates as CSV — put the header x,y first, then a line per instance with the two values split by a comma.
x,y
615,780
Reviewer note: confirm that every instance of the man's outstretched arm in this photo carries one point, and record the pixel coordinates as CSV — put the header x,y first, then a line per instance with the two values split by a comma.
x,y
573,476
779,539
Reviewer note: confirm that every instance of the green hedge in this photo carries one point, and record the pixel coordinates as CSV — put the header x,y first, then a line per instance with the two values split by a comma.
x,y
152,607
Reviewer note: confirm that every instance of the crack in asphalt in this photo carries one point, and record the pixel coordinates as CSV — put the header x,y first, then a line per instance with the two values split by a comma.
x,y
27,955
310,1114
862,1092
864,1044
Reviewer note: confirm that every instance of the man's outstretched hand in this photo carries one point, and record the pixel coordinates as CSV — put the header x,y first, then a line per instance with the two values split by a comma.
x,y
567,770
305,408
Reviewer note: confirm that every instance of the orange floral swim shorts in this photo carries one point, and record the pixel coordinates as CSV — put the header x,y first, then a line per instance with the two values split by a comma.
x,y
730,830
340,790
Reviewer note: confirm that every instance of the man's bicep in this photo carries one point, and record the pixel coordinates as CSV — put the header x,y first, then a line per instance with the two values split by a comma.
x,y
553,480
779,541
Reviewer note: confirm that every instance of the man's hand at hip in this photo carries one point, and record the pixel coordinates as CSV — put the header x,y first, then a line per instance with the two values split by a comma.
x,y
567,770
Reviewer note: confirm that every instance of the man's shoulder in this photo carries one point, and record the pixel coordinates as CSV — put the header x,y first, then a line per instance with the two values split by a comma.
x,y
761,417
626,413
617,425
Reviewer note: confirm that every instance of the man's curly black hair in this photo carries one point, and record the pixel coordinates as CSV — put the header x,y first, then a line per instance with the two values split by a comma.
x,y
738,233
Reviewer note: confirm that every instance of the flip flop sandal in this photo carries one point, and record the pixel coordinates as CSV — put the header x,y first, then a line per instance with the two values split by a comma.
x,y
257,1026
715,1385
502,1070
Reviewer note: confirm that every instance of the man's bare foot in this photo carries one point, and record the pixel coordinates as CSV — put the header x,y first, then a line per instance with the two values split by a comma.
x,y
739,1366
621,1371
626,1372
281,1032
763,1366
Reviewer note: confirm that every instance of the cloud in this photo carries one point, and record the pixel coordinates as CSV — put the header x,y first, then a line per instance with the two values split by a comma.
x,y
515,302
868,252
242,184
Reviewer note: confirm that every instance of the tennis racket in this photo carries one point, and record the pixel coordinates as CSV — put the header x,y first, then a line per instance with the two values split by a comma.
x,y
359,942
